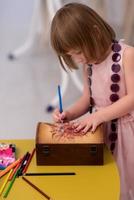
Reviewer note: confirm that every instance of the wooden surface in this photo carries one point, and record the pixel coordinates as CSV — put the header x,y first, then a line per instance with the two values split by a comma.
x,y
90,182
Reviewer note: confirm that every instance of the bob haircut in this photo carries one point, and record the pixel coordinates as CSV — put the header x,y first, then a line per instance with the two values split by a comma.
x,y
76,26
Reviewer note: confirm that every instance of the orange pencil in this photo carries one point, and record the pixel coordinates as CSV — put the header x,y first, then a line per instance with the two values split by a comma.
x,y
28,162
14,171
9,167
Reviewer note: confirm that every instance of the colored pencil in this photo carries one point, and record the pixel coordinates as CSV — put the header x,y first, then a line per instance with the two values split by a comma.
x,y
51,174
36,188
14,171
28,162
60,99
11,184
24,162
11,166
5,181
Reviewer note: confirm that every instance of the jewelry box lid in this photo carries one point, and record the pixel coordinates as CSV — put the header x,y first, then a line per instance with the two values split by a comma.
x,y
47,133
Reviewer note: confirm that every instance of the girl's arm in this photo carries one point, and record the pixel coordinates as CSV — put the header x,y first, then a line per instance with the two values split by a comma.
x,y
126,103
119,108
82,105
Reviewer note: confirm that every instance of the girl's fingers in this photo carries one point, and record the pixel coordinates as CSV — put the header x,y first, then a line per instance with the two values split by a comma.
x,y
62,115
90,128
80,127
93,128
56,116
75,124
57,120
86,129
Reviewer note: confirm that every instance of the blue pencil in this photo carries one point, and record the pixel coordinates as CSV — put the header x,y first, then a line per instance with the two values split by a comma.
x,y
60,99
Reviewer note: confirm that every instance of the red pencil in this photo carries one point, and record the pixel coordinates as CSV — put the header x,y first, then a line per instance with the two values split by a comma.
x,y
28,162
36,188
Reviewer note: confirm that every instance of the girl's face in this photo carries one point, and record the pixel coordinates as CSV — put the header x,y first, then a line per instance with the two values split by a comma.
x,y
78,56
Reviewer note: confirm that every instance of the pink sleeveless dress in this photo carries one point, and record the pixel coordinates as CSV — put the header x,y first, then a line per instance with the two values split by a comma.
x,y
124,143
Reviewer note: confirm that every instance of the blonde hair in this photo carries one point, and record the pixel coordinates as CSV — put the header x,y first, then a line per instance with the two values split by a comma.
x,y
77,26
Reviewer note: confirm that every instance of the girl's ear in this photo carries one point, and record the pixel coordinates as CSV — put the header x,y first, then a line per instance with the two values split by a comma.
x,y
97,31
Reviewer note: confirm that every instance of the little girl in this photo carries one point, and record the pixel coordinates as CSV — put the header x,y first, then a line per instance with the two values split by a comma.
x,y
80,36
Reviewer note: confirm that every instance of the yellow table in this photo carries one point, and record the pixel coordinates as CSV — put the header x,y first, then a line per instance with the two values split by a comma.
x,y
89,183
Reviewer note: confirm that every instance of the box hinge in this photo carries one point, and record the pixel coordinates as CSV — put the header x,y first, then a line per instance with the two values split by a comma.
x,y
46,150
93,149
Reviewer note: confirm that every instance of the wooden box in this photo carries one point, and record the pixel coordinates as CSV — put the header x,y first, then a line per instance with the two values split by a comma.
x,y
78,150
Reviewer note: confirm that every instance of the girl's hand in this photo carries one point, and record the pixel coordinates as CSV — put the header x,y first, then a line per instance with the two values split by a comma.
x,y
88,123
59,117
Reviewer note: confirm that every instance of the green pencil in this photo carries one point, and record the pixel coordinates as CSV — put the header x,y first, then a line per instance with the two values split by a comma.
x,y
11,184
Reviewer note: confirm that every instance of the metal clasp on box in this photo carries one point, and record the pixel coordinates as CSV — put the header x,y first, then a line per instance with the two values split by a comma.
x,y
46,150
